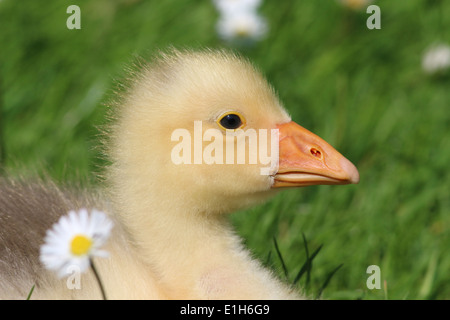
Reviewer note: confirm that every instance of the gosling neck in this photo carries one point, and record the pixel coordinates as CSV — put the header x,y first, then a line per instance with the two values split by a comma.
x,y
181,242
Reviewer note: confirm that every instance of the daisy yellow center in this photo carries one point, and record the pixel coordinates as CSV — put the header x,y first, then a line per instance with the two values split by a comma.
x,y
242,32
80,245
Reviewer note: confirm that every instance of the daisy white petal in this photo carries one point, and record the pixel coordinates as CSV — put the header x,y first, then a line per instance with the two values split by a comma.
x,y
241,26
234,6
436,59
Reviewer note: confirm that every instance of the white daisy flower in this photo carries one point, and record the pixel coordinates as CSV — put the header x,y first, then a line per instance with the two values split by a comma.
x,y
74,239
244,25
436,59
235,6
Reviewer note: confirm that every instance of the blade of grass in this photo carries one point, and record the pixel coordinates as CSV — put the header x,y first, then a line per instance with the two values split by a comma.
x,y
385,290
325,284
281,258
307,265
2,140
269,257
31,292
308,269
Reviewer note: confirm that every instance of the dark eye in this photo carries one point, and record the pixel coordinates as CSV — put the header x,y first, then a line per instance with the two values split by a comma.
x,y
231,121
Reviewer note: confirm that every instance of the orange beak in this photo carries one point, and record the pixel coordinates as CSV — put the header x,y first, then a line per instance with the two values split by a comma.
x,y
306,159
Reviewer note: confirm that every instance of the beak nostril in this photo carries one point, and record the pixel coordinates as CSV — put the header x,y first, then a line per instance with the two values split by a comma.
x,y
316,153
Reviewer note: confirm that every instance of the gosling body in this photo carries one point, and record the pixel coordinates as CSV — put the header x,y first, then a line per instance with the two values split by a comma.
x,y
171,239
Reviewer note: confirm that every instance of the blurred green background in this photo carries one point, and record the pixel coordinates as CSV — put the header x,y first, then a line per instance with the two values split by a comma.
x,y
362,90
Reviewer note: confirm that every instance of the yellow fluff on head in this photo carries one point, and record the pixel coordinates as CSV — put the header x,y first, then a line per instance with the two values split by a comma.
x,y
182,204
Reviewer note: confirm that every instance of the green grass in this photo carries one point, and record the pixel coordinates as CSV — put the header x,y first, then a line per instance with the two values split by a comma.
x,y
362,90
